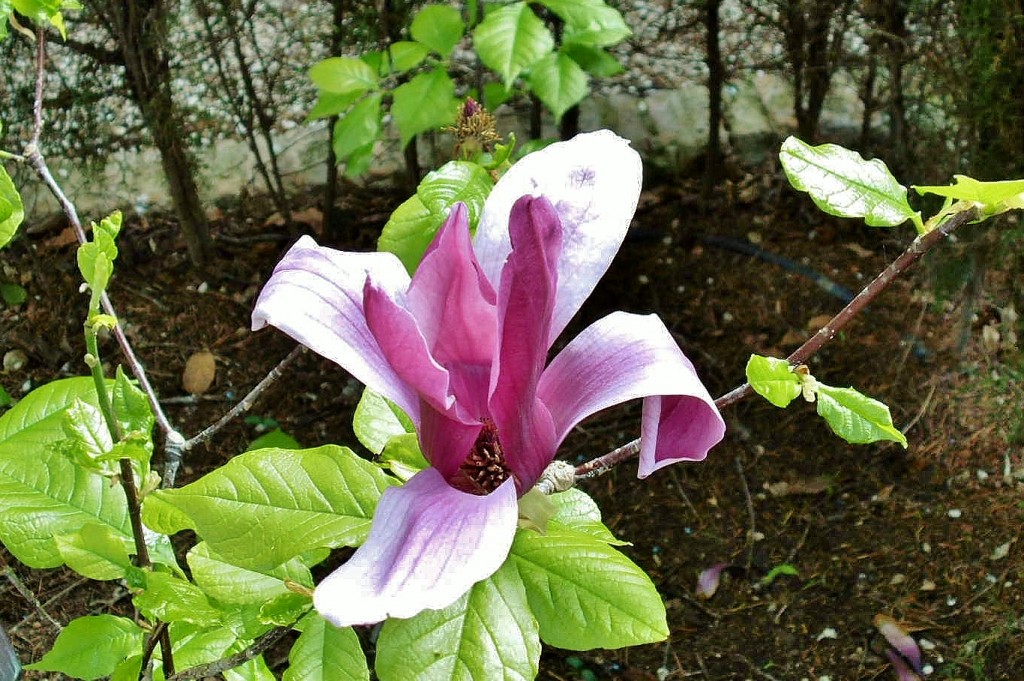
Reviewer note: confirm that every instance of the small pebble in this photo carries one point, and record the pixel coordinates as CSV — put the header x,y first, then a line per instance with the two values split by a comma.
x,y
827,632
954,513
644,279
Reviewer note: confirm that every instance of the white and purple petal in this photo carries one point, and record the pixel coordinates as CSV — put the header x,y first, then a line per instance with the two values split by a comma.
x,y
428,545
593,181
315,295
626,356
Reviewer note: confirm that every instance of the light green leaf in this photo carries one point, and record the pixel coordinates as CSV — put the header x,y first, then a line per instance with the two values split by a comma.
x,y
326,653
558,82
13,294
773,379
43,494
232,584
778,571
130,405
991,197
585,594
377,420
589,22
413,225
406,55
359,161
427,102
268,506
331,104
172,599
255,669
489,633
358,127
856,418
842,183
96,552
576,511
276,438
91,647
403,457
512,39
439,27
594,60
344,75
195,644
12,212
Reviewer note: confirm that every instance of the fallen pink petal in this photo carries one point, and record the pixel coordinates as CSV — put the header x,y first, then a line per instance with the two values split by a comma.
x,y
900,666
462,347
902,642
707,582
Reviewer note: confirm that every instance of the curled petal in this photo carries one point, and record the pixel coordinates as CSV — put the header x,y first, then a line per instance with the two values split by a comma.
x,y
428,545
707,582
593,182
526,299
900,666
454,306
625,356
902,642
315,295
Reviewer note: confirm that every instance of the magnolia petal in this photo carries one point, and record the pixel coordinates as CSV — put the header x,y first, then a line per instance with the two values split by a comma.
x,y
315,295
900,666
428,545
445,440
626,356
526,299
707,582
901,641
593,181
398,336
454,306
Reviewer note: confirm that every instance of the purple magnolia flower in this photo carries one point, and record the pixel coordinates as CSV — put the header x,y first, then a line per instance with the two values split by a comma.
x,y
462,346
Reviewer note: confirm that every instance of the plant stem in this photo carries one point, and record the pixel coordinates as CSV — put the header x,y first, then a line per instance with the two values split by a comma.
x,y
918,247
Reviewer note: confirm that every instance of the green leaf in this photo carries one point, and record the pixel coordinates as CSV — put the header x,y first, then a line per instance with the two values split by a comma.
x,y
576,511
589,22
331,104
842,183
12,212
778,571
255,669
344,75
5,398
585,594
359,161
773,379
489,628
171,599
43,494
594,60
558,82
275,438
131,406
856,418
91,647
325,653
13,294
268,506
413,225
406,55
427,102
357,128
377,420
96,552
439,27
232,584
991,197
512,39
195,644
403,457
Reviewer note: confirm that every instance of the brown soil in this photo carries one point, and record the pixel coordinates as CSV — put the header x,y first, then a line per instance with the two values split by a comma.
x,y
869,529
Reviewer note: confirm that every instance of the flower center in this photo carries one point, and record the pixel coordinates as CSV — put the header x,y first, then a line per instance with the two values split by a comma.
x,y
484,469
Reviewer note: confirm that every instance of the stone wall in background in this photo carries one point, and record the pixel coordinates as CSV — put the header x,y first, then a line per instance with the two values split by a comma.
x,y
668,127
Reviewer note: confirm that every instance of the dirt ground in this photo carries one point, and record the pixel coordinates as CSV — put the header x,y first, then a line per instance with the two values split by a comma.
x,y
913,534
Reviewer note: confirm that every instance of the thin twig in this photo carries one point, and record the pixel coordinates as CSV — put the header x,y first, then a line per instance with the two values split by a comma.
x,y
27,594
754,668
246,403
751,516
913,253
213,668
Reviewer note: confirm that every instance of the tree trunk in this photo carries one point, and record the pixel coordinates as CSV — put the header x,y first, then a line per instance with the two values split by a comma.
x,y
140,27
713,170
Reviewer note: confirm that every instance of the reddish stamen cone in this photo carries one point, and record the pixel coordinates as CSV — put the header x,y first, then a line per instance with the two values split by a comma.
x,y
484,469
